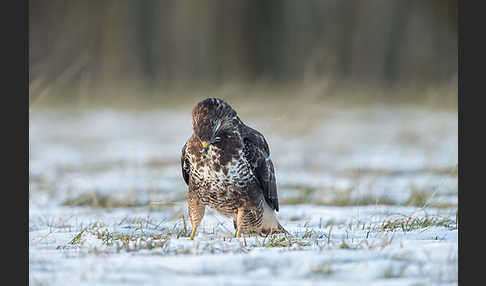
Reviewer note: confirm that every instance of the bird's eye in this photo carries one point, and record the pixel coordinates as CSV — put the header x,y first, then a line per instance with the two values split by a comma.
x,y
217,139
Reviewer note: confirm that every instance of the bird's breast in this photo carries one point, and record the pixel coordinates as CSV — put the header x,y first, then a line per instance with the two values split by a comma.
x,y
220,169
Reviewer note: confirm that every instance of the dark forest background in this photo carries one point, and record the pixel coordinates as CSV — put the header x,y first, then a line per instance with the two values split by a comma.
x,y
154,43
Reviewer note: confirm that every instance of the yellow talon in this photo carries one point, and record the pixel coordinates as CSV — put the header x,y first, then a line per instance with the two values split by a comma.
x,y
192,234
238,233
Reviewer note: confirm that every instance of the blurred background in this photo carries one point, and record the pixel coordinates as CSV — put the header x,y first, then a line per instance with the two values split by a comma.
x,y
93,49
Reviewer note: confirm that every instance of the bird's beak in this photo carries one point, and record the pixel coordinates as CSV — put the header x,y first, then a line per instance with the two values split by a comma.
x,y
205,145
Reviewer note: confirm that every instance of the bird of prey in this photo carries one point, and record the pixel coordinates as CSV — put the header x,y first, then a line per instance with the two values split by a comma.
x,y
227,167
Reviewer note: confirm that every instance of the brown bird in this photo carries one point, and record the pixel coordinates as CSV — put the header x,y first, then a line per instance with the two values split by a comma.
x,y
227,166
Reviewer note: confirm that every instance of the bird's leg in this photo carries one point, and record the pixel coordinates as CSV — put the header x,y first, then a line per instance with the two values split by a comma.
x,y
239,222
235,218
196,213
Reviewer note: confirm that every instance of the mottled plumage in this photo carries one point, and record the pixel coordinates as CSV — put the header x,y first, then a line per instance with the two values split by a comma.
x,y
227,166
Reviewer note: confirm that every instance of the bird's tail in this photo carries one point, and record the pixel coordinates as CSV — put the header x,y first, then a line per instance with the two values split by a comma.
x,y
270,223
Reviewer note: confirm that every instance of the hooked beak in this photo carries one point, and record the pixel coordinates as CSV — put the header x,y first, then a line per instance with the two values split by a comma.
x,y
205,145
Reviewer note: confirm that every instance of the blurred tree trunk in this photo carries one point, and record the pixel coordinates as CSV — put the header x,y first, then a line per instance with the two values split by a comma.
x,y
348,15
395,40
146,32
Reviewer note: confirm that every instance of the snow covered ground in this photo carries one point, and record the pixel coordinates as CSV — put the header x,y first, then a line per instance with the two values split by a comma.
x,y
368,194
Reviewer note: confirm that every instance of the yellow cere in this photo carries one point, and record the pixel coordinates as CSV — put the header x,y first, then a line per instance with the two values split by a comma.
x,y
204,143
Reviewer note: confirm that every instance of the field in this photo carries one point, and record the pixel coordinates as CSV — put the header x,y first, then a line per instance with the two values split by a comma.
x,y
368,193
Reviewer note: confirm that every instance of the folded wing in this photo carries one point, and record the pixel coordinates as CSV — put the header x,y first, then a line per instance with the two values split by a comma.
x,y
257,154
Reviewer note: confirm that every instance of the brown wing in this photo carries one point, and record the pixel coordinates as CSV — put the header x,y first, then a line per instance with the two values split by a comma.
x,y
185,165
257,154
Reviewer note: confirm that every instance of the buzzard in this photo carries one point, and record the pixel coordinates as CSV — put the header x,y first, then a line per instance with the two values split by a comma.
x,y
227,166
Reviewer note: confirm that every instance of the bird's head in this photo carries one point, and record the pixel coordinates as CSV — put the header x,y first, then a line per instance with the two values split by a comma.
x,y
212,118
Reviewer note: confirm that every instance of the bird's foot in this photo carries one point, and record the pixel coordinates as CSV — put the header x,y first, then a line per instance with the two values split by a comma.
x,y
193,233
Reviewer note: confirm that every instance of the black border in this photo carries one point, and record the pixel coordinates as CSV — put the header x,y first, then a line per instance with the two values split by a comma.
x,y
14,22
471,49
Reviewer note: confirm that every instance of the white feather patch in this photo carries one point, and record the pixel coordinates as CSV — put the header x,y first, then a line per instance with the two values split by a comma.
x,y
269,220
